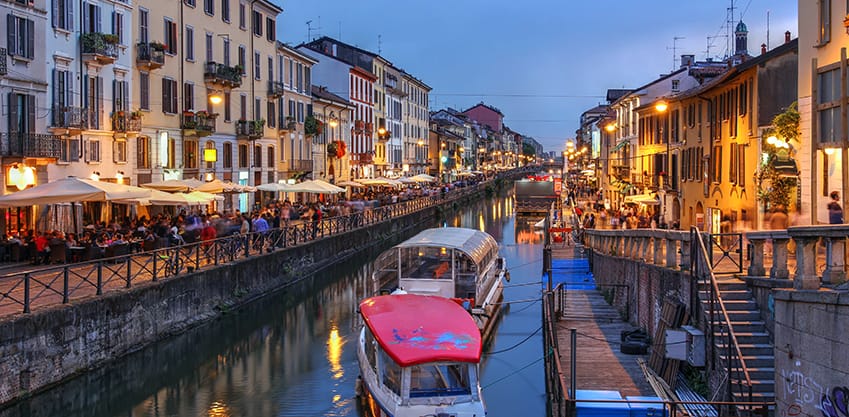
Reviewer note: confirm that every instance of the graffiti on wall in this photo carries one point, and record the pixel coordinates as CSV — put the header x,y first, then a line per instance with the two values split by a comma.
x,y
802,392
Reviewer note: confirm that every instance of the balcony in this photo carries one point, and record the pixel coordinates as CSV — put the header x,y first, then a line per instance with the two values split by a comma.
x,y
71,120
150,56
30,145
221,75
198,124
99,47
300,165
275,89
287,124
126,122
250,129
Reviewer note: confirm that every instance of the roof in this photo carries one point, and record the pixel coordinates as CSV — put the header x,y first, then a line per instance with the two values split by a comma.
x,y
655,81
416,329
481,104
474,243
321,92
613,94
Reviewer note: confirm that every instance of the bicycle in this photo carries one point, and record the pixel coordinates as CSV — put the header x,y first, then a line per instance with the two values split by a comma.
x,y
173,263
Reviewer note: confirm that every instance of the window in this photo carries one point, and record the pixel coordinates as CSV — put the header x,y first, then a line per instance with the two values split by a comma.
x,y
269,29
257,23
257,108
291,74
825,22
209,56
144,35
143,152
300,87
190,154
93,151
120,96
169,96
257,66
170,36
190,2
188,96
144,91
21,36
242,16
307,81
171,157
257,156
828,106
91,18
70,150
63,14
269,157
391,374
676,85
300,112
21,112
227,157
243,156
119,150
271,120
292,111
209,7
190,43
93,87
227,107
118,26
743,96
716,164
242,58
243,107
225,10
63,88
270,69
227,52
441,380
282,150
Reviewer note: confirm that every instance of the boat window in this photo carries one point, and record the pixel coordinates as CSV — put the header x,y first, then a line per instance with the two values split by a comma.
x,y
439,380
371,349
391,373
425,262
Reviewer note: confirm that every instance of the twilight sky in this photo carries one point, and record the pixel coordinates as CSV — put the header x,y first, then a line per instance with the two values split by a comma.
x,y
541,62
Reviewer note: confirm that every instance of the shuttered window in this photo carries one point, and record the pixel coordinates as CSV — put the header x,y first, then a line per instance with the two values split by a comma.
x,y
63,14
144,90
21,37
169,96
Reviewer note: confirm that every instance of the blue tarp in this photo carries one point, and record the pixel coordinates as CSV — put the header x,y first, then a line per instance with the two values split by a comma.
x,y
574,272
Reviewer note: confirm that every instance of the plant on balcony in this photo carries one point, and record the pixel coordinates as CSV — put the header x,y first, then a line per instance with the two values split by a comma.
x,y
136,114
239,69
257,124
313,126
336,149
203,114
110,38
775,189
157,46
188,113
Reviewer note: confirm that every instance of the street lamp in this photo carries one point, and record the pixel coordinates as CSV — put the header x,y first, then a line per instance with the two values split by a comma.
x,y
661,107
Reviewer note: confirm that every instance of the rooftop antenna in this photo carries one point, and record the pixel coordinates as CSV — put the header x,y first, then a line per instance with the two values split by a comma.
x,y
378,45
310,29
710,43
729,29
674,49
767,30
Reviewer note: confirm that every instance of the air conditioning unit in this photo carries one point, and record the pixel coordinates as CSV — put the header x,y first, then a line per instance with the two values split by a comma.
x,y
686,344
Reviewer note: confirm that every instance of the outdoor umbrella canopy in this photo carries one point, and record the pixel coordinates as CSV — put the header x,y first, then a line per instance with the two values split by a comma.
x,y
274,187
350,184
174,185
379,181
423,178
315,187
71,189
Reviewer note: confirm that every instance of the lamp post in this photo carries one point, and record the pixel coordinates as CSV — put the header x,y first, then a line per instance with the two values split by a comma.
x,y
661,107
332,122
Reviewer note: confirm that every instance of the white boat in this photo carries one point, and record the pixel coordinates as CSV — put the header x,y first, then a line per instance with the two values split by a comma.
x,y
452,262
419,356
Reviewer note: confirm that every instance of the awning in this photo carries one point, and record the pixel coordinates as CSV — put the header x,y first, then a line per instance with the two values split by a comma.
x,y
786,167
642,199
619,146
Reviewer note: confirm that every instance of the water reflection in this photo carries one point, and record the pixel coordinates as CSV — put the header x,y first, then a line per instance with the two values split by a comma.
x,y
267,359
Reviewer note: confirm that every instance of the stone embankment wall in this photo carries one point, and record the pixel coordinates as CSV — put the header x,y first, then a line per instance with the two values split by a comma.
x,y
811,355
48,346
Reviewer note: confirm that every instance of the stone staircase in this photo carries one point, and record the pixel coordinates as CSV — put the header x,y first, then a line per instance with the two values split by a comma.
x,y
752,338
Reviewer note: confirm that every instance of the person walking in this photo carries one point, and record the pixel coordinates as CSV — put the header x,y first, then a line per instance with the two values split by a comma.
x,y
835,212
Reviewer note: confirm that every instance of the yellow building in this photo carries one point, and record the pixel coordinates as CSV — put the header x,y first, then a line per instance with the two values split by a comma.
x,y
202,81
416,116
295,104
335,114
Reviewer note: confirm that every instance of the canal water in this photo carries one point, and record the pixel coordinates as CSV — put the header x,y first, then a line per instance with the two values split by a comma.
x,y
295,355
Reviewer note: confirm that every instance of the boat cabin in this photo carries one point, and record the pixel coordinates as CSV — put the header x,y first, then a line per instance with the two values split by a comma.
x,y
450,262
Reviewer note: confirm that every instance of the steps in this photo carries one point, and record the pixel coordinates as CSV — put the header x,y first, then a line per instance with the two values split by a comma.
x,y
757,350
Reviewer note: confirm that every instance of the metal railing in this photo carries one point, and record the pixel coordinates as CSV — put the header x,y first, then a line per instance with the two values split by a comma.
x,y
224,74
718,321
148,55
555,380
275,89
101,44
30,145
251,129
60,284
73,117
126,123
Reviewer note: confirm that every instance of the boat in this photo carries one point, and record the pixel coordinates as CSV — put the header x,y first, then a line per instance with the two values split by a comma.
x,y
452,262
418,355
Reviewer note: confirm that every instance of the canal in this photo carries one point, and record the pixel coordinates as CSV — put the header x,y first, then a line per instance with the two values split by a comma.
x,y
294,355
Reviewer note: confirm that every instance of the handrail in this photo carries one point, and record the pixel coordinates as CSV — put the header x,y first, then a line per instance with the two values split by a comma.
x,y
715,295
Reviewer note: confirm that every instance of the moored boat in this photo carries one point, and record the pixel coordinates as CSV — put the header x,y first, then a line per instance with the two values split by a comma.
x,y
419,356
452,262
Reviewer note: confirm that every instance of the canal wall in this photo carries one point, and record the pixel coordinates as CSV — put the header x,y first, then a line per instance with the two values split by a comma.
x,y
43,348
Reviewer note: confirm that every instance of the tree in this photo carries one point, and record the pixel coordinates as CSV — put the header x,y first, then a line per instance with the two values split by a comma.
x,y
775,188
528,150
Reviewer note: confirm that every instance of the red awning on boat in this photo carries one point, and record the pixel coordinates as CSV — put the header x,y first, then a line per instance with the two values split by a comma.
x,y
417,329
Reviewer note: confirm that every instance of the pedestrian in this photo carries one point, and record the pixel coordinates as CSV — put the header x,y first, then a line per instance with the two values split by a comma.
x,y
835,212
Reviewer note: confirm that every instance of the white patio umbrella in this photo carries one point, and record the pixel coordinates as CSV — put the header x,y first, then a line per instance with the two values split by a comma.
x,y
174,185
423,178
274,187
72,189
354,184
315,187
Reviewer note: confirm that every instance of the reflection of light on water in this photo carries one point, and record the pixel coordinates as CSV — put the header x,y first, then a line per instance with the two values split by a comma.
x,y
334,352
336,398
481,223
218,409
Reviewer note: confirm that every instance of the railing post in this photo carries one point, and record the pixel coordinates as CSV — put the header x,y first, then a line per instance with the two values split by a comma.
x,y
215,252
672,249
834,272
65,289
129,275
658,249
756,255
779,257
99,277
155,254
26,292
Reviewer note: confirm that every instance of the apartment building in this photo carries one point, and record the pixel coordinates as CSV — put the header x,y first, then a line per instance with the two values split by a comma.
x,y
336,116
294,94
205,72
415,104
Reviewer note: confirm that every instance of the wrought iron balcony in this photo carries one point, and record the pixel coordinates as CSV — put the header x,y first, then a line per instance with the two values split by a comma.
x,y
150,55
30,145
126,123
72,120
99,47
198,124
250,129
287,123
275,89
304,165
222,75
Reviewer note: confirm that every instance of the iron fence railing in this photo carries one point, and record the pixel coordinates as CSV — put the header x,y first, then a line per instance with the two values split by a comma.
x,y
60,284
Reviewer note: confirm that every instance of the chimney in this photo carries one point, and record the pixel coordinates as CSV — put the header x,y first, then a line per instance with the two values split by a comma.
x,y
787,37
687,60
763,48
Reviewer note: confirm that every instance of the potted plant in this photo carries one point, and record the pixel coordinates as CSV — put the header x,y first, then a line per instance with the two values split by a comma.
x,y
110,38
312,126
332,149
258,124
136,114
157,46
203,114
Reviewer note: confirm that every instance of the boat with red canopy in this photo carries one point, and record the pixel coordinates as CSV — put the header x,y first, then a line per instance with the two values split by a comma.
x,y
419,355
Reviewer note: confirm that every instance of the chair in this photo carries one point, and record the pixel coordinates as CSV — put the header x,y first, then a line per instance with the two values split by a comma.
x,y
58,253
91,252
